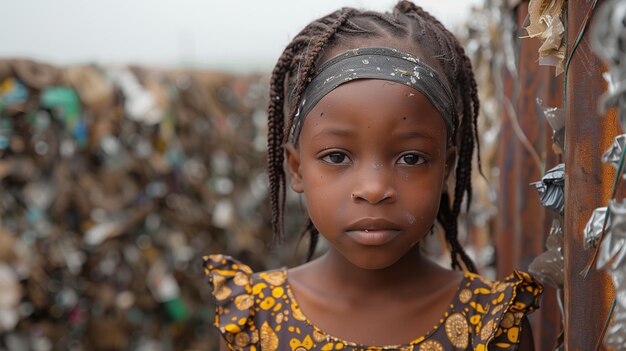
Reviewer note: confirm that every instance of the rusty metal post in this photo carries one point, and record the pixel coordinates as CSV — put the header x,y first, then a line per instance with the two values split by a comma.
x,y
529,212
521,221
588,184
549,315
523,224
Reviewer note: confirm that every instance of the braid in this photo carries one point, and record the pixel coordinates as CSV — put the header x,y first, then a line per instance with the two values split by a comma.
x,y
275,154
312,56
476,105
296,68
449,222
458,69
277,133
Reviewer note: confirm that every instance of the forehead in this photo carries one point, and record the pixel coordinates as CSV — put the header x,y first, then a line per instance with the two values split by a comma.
x,y
375,109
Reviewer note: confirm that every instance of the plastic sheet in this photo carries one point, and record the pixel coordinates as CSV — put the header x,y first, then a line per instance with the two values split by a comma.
x,y
615,337
548,267
550,189
595,225
613,249
546,22
612,258
556,118
613,154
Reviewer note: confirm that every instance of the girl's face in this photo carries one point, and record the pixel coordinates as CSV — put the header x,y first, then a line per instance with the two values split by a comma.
x,y
371,162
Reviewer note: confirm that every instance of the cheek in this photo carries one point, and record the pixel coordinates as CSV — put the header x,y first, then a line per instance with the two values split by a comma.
x,y
403,175
420,197
410,218
421,181
341,212
322,195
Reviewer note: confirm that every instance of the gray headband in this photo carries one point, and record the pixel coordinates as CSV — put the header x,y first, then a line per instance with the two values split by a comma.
x,y
377,63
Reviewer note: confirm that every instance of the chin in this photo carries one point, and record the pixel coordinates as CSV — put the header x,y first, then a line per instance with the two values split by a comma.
x,y
380,257
374,262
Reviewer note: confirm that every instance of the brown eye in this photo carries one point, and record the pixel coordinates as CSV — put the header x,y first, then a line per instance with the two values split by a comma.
x,y
411,159
335,158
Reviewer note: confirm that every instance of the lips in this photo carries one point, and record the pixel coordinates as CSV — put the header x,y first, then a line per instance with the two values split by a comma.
x,y
373,231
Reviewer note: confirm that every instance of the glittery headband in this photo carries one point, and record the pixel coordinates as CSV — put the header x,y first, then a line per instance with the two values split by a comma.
x,y
377,63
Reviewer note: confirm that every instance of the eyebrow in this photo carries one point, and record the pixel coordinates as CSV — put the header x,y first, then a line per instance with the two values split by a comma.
x,y
414,134
333,132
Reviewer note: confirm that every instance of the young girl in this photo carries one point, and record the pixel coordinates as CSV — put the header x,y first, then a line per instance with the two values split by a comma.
x,y
371,112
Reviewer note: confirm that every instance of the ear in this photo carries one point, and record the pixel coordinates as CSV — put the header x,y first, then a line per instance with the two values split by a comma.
x,y
293,167
450,161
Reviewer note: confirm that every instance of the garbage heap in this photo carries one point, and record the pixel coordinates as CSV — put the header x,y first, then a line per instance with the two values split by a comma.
x,y
114,182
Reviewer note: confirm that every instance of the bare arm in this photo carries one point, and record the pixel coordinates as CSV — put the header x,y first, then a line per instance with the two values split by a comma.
x,y
526,342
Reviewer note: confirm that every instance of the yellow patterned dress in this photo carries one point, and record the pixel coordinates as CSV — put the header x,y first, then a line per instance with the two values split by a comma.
x,y
258,312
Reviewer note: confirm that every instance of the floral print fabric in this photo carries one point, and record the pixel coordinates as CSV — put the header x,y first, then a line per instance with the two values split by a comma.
x,y
258,312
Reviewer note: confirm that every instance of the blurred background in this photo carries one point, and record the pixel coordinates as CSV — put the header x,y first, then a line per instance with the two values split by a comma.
x,y
239,36
132,143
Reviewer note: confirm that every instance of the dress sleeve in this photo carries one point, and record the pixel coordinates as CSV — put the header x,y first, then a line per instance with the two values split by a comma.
x,y
512,299
503,305
230,283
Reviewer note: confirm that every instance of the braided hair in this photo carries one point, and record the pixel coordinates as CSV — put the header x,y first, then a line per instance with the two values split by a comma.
x,y
296,68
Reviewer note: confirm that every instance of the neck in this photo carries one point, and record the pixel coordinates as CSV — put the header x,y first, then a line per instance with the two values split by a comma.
x,y
412,268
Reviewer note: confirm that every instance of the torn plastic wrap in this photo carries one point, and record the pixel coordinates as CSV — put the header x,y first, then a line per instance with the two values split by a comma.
x,y
551,191
556,119
612,250
613,154
611,257
616,333
546,22
594,228
607,38
548,266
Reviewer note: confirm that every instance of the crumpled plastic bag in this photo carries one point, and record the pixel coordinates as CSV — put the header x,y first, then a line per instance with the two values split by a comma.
x,y
546,22
550,189
593,229
548,267
611,257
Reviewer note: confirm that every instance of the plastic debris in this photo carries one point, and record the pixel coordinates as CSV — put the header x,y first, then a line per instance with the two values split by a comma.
x,y
546,22
594,228
551,189
113,187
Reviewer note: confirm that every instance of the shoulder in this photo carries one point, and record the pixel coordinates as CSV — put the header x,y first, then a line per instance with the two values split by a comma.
x,y
496,309
243,298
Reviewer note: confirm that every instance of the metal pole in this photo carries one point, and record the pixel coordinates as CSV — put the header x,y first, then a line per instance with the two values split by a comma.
x,y
523,224
587,185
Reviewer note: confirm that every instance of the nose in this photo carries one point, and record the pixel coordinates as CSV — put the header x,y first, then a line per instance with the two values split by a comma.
x,y
374,187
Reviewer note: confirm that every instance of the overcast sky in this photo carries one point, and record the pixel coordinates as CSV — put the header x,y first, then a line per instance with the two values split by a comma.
x,y
244,34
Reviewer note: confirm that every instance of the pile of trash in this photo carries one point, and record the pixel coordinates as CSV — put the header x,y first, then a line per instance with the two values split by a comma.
x,y
114,182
